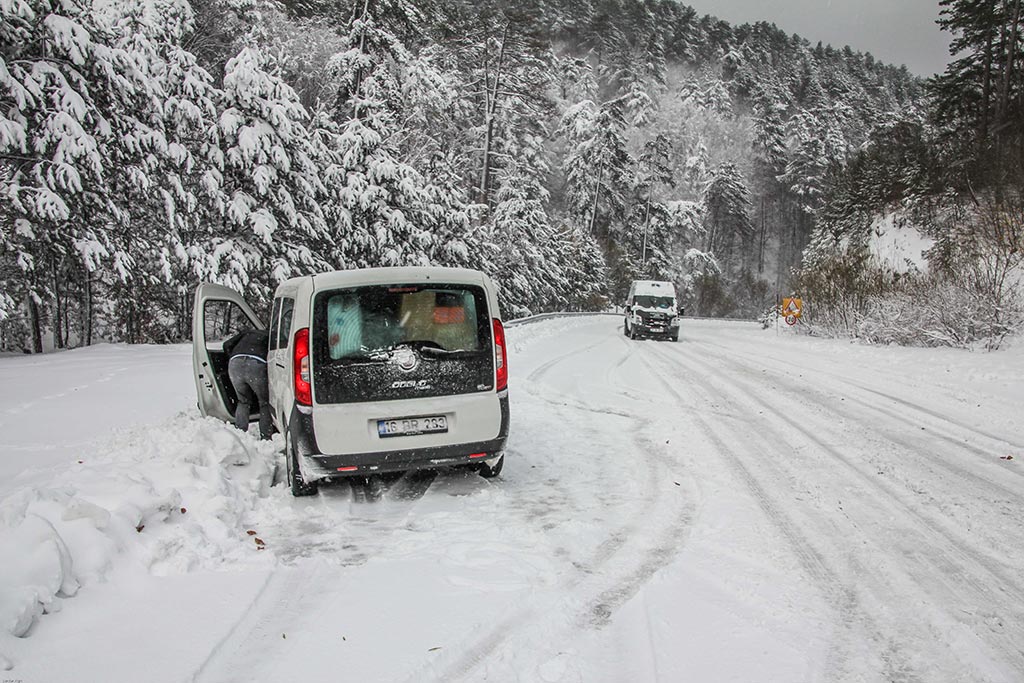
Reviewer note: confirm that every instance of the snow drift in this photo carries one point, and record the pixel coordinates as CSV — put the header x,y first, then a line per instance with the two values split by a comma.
x,y
166,499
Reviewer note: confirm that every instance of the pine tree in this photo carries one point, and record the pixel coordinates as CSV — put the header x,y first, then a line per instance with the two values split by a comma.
x,y
729,229
66,93
597,165
527,264
267,181
980,94
654,170
384,211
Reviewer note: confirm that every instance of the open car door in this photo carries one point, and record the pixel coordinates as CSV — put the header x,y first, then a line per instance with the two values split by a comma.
x,y
219,314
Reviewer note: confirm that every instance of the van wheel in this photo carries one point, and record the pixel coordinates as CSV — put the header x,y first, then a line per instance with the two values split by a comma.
x,y
295,481
490,471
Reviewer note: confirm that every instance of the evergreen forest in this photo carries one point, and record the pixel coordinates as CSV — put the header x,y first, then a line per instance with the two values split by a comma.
x,y
565,147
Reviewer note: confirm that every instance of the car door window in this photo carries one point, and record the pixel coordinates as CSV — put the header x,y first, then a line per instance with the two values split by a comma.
x,y
273,324
287,308
223,320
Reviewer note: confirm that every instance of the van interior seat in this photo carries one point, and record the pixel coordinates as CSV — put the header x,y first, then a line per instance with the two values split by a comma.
x,y
439,317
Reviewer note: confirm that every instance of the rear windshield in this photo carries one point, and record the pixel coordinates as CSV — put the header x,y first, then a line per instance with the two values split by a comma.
x,y
654,301
400,341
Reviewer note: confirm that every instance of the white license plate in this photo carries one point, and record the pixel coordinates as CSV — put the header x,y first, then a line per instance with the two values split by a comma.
x,y
408,426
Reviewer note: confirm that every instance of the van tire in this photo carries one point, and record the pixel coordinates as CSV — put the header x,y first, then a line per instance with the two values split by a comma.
x,y
294,476
489,472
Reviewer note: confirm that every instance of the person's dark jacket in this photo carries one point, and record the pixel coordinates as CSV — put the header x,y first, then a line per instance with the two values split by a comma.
x,y
248,343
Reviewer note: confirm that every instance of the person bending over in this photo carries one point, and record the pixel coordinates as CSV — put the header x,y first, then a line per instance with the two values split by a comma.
x,y
247,368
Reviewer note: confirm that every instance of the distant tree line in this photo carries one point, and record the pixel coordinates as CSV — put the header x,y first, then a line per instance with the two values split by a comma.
x,y
564,147
954,170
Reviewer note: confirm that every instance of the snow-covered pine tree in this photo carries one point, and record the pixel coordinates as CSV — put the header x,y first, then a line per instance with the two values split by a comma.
x,y
384,211
584,267
266,181
727,218
528,262
67,92
653,171
597,166
163,208
506,72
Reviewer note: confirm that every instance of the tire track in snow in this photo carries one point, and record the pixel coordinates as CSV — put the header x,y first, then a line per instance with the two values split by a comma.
x,y
291,591
838,595
972,429
956,559
828,403
609,577
538,374
962,547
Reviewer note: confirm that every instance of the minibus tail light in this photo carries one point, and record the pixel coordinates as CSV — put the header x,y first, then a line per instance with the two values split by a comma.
x,y
303,390
500,356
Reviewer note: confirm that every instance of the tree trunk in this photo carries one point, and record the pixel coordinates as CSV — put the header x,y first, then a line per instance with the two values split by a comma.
x,y
87,309
490,110
597,193
35,324
647,224
58,309
130,331
1008,69
760,242
986,90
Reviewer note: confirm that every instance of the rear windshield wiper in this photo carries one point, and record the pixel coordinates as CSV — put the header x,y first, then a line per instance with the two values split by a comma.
x,y
371,357
438,351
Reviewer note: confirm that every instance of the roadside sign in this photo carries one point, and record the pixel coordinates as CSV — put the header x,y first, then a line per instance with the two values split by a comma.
x,y
792,310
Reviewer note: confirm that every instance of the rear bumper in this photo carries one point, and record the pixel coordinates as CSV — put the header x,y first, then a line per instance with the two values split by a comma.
x,y
317,465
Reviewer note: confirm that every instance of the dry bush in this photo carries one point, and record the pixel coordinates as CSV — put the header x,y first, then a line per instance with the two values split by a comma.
x,y
972,297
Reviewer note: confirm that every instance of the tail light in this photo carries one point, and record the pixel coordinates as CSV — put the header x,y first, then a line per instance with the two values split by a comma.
x,y
500,357
300,366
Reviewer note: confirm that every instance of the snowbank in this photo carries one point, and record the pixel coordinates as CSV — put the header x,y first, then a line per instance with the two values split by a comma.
x,y
166,499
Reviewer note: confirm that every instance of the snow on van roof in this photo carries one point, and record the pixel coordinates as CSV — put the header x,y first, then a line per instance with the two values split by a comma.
x,y
395,275
654,287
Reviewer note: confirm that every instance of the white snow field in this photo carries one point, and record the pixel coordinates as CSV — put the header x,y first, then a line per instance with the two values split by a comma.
x,y
742,505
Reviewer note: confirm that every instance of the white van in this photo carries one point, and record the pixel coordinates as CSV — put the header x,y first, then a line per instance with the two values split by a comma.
x,y
652,310
370,371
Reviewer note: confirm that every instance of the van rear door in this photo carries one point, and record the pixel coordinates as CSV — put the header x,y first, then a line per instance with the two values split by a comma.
x,y
420,350
219,313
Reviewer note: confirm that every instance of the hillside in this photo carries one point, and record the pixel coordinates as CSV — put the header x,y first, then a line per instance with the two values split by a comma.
x,y
565,147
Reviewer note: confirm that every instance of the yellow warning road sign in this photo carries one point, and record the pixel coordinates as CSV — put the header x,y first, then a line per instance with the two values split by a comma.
x,y
792,310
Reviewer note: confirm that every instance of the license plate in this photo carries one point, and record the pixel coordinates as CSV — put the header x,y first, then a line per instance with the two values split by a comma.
x,y
409,426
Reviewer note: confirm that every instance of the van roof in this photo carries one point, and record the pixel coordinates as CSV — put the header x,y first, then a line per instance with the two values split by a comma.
x,y
397,275
655,287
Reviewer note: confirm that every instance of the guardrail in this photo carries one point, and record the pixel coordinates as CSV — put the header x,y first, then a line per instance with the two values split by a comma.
x,y
547,316
574,314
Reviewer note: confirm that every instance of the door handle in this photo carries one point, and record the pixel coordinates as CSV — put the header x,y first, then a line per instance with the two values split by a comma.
x,y
280,365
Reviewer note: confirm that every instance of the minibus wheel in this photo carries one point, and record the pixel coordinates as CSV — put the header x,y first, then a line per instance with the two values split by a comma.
x,y
295,481
490,471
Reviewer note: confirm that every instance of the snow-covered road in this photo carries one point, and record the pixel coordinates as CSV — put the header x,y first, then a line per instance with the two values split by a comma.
x,y
738,506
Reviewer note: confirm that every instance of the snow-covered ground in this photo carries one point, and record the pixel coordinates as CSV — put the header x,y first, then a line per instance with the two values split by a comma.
x,y
897,246
742,505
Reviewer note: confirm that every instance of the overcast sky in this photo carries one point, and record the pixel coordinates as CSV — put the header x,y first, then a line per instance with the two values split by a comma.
x,y
894,31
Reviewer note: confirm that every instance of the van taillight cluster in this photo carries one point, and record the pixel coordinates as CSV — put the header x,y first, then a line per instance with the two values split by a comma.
x,y
300,367
500,357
